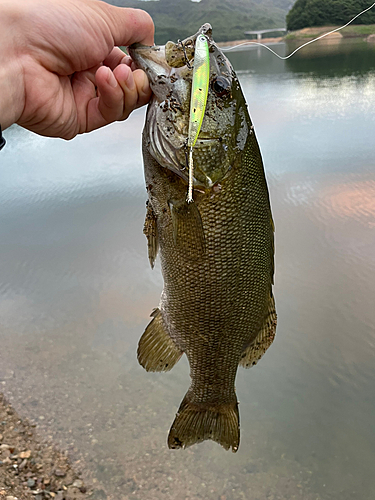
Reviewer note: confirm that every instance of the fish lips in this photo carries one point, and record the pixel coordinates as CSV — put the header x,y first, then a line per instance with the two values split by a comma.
x,y
151,60
159,61
170,74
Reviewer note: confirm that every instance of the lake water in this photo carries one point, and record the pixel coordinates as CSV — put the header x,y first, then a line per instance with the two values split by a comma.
x,y
76,293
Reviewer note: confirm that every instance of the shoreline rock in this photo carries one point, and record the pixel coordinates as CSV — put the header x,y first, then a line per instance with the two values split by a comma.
x,y
31,468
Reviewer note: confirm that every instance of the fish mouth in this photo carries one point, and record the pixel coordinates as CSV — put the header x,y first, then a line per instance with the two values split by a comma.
x,y
151,59
170,73
158,61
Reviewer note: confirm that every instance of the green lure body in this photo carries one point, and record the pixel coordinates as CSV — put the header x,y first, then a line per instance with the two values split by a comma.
x,y
198,100
199,89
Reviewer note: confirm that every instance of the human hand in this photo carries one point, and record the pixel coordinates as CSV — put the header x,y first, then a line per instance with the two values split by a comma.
x,y
61,73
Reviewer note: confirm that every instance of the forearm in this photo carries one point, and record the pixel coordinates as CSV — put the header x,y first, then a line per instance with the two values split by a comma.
x,y
11,78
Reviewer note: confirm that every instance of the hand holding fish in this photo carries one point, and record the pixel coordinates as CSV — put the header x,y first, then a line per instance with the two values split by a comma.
x,y
61,72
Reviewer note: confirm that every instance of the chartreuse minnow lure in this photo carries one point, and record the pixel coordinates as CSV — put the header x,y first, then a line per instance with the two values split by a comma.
x,y
199,92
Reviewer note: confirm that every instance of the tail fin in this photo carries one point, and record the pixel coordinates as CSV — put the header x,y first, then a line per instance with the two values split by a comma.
x,y
196,422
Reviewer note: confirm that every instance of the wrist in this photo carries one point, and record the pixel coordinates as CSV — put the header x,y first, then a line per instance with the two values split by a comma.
x,y
10,95
11,76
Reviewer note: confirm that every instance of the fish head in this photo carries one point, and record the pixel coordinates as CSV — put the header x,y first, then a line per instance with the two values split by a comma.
x,y
225,125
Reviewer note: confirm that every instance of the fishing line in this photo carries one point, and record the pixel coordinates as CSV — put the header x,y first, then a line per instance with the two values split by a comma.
x,y
304,45
200,87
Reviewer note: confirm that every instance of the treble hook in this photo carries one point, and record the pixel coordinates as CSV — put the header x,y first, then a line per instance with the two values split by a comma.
x,y
185,55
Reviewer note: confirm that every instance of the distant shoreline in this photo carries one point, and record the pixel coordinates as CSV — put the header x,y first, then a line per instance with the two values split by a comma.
x,y
353,31
246,40
365,31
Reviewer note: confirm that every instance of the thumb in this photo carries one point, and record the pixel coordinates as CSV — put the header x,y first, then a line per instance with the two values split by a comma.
x,y
128,25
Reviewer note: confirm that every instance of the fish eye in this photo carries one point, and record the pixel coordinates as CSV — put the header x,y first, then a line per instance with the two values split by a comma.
x,y
220,86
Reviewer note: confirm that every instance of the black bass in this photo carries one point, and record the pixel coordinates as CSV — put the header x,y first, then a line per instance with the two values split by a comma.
x,y
217,253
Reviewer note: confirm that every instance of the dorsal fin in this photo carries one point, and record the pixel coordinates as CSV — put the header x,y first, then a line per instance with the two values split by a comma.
x,y
151,231
253,353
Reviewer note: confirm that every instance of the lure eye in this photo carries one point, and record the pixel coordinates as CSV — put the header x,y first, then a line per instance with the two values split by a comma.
x,y
221,86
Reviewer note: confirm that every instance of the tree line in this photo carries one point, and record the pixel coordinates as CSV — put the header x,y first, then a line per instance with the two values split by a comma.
x,y
305,13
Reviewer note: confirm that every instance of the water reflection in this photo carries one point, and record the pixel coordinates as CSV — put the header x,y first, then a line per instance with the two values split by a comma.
x,y
76,291
333,58
329,58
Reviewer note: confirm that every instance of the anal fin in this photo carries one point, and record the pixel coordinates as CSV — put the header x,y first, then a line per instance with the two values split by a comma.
x,y
151,232
157,352
253,353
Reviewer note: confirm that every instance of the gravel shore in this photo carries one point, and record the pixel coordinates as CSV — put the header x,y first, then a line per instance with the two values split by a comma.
x,y
31,468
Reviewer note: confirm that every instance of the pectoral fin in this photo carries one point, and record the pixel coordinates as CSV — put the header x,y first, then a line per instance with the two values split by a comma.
x,y
255,351
157,352
151,231
188,232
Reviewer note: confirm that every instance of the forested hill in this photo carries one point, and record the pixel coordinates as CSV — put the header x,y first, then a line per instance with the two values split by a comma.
x,y
177,19
307,13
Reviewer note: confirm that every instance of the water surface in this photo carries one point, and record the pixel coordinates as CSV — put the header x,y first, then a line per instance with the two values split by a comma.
x,y
76,293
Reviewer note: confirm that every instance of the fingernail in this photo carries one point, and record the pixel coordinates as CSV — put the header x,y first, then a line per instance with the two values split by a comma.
x,y
111,79
130,81
126,60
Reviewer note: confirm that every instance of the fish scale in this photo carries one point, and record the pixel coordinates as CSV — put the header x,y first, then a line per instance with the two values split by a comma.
x,y
216,253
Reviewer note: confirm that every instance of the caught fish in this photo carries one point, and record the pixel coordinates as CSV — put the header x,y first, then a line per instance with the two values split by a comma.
x,y
217,252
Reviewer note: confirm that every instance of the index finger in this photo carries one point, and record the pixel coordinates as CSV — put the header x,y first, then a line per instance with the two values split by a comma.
x,y
128,25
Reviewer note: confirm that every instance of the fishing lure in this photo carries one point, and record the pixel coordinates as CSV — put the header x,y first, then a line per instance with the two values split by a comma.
x,y
198,100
